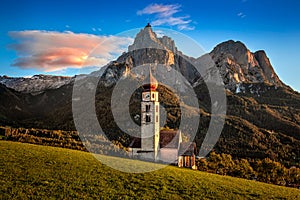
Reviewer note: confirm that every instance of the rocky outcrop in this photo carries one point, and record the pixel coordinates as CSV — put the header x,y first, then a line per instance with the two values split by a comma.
x,y
236,63
267,68
148,48
239,66
146,38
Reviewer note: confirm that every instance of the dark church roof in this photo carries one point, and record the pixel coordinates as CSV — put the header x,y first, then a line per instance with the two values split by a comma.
x,y
187,149
169,139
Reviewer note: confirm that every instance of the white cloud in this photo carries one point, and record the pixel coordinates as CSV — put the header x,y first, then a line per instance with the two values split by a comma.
x,y
52,51
172,21
241,15
164,15
185,27
162,10
96,29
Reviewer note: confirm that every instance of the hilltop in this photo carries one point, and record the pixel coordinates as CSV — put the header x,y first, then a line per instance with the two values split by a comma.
x,y
39,172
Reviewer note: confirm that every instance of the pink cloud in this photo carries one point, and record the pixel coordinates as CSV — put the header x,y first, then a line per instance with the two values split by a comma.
x,y
51,51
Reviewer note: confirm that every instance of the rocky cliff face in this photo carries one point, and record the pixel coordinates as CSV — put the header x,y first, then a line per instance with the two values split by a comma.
x,y
240,66
267,68
146,38
147,49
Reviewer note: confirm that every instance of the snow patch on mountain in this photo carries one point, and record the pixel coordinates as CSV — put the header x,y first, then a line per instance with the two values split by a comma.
x,y
36,83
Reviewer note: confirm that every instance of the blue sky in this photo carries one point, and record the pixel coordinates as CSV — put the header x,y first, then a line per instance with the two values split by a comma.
x,y
28,28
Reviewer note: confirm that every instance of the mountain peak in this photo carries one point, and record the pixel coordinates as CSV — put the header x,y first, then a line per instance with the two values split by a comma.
x,y
236,49
266,67
147,38
239,65
232,43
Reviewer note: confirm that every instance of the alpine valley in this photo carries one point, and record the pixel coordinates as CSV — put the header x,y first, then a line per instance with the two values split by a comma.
x,y
263,113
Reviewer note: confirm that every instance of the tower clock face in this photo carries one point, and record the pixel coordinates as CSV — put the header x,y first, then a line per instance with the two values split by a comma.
x,y
146,96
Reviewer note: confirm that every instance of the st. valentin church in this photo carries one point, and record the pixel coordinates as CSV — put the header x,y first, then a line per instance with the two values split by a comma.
x,y
158,145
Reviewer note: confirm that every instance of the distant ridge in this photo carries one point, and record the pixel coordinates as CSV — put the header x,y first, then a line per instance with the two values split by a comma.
x,y
36,83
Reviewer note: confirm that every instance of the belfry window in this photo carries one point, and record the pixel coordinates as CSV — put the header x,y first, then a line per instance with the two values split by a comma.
x,y
148,118
148,108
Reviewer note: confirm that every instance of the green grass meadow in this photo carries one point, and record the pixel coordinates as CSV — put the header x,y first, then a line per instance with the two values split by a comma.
x,y
40,172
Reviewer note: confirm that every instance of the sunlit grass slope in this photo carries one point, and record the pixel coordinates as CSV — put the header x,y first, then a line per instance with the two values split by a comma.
x,y
40,172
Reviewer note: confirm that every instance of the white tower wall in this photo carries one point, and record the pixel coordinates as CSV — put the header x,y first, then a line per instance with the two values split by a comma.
x,y
150,125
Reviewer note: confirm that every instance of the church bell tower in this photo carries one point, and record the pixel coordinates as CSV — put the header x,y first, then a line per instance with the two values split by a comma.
x,y
150,120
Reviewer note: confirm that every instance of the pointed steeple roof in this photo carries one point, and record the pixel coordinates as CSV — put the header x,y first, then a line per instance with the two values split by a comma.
x,y
151,82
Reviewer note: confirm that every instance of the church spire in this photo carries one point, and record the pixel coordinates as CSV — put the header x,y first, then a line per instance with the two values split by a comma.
x,y
151,82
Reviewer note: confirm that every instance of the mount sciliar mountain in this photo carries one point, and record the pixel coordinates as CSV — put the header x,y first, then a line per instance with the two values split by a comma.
x,y
263,114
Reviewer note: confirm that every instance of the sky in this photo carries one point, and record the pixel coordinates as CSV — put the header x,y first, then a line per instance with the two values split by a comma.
x,y
56,37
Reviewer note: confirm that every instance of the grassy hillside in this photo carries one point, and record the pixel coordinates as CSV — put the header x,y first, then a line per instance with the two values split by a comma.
x,y
38,172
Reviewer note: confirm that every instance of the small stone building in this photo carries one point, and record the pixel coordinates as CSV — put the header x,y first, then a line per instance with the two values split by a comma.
x,y
187,155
